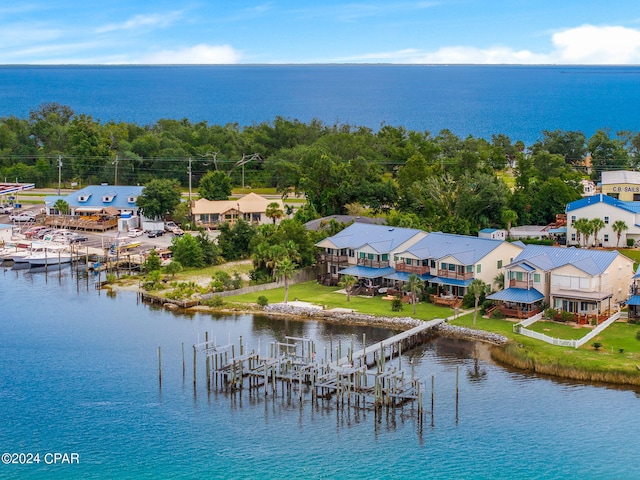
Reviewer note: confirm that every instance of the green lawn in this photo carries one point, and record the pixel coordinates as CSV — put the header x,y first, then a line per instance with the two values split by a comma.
x,y
559,330
320,295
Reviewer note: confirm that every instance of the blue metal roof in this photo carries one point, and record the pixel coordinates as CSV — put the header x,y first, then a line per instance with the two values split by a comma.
x,y
633,207
451,281
547,258
634,300
367,272
381,238
404,276
466,249
93,196
518,295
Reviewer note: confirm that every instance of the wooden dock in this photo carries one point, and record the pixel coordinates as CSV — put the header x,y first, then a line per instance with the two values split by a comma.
x,y
367,378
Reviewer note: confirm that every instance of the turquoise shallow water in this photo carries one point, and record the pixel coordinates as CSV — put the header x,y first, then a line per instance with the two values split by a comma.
x,y
79,374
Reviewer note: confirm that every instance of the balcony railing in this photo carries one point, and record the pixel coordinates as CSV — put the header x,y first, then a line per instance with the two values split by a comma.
x,y
417,269
518,312
601,289
332,258
365,262
513,283
455,274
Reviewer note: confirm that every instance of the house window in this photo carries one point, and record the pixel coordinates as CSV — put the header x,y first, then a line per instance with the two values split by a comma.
x,y
433,264
478,268
573,237
469,268
361,255
536,278
573,218
636,197
452,267
407,261
519,276
370,256
351,253
499,263
606,237
385,257
606,220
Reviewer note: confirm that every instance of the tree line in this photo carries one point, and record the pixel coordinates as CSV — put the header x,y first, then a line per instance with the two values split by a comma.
x,y
417,179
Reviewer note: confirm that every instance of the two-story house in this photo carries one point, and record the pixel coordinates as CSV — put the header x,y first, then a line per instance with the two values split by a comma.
x,y
451,262
364,251
588,283
252,208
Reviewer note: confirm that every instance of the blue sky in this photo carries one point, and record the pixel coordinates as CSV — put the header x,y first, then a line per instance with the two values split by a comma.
x,y
299,31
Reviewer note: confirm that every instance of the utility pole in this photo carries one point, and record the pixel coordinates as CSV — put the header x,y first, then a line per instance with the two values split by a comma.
x,y
59,172
115,162
189,171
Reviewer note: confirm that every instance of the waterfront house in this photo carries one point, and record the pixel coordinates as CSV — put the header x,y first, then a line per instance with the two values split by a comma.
x,y
610,210
252,208
451,262
585,283
633,303
364,251
96,207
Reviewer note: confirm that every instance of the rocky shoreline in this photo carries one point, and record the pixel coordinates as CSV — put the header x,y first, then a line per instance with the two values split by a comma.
x,y
402,323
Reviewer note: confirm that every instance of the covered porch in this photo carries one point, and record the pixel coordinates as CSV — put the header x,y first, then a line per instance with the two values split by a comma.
x,y
520,303
371,279
449,291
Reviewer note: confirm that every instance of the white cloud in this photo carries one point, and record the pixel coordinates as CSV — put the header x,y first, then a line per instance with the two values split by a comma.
x,y
200,54
599,45
142,21
587,44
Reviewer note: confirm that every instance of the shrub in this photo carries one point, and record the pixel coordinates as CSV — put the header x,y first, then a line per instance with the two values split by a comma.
x,y
596,345
111,278
263,301
566,316
638,335
396,305
630,242
214,301
497,314
550,313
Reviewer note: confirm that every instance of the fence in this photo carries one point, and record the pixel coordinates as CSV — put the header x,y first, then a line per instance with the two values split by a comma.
x,y
520,328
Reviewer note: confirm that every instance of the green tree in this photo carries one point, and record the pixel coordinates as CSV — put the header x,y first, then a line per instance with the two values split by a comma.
x,y
597,224
187,251
215,185
285,270
477,288
61,206
619,226
499,281
349,281
508,217
158,198
274,212
234,241
582,225
415,286
174,267
152,262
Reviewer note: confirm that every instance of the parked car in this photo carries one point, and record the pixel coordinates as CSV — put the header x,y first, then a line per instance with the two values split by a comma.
x,y
23,217
178,232
6,209
43,233
136,232
77,238
33,231
155,233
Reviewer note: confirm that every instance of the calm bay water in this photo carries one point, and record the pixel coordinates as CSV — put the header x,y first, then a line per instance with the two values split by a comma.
x,y
519,101
79,375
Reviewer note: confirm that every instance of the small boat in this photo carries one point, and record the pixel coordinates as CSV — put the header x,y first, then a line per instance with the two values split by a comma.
x,y
53,254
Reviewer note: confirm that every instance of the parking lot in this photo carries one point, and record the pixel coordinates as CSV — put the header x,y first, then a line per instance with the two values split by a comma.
x,y
99,240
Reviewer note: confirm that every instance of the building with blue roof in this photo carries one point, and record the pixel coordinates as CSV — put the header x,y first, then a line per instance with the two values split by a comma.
x,y
610,210
634,300
580,281
364,251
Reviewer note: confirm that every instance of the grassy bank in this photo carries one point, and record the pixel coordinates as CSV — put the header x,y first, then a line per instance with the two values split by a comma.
x,y
614,362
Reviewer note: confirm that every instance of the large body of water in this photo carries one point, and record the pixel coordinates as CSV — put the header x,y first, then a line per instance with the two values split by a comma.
x,y
519,101
79,375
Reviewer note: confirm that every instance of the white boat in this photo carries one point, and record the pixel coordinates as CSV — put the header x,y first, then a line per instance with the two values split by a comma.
x,y
52,254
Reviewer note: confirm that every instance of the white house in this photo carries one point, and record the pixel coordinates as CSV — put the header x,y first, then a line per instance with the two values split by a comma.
x,y
609,210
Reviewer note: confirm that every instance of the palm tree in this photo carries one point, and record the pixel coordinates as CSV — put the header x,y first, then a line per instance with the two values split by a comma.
x,y
285,269
581,225
61,206
349,282
508,217
414,285
619,226
173,268
274,212
477,288
499,280
597,224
